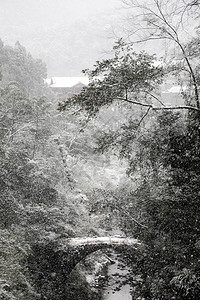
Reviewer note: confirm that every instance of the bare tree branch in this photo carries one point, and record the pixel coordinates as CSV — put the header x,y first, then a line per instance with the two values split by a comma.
x,y
125,212
144,116
156,98
159,108
159,25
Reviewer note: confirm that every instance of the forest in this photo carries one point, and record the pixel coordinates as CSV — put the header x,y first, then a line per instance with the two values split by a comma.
x,y
114,158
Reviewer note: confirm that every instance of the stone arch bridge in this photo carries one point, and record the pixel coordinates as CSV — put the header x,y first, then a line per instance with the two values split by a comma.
x,y
66,254
52,264
80,248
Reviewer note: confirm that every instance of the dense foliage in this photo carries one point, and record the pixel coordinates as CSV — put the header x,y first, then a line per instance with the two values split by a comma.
x,y
126,75
43,196
28,200
169,194
162,150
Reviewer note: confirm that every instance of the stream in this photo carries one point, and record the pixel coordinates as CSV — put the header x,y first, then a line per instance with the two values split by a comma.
x,y
117,286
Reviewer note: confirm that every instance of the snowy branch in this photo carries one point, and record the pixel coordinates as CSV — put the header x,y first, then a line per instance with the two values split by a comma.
x,y
159,108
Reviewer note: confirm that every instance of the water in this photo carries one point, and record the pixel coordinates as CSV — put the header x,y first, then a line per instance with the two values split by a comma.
x,y
117,273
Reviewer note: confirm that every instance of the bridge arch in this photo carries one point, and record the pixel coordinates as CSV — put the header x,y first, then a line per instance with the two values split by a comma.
x,y
51,264
78,249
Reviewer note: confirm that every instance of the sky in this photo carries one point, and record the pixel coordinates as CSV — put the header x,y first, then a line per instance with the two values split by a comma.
x,y
57,30
68,35
42,12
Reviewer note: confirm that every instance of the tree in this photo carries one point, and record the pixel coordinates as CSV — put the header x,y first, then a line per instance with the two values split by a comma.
x,y
19,66
28,200
163,156
168,21
38,154
128,77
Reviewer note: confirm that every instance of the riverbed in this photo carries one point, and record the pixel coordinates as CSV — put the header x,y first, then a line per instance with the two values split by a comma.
x,y
117,286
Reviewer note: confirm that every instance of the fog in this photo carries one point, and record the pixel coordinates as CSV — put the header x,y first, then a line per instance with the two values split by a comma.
x,y
68,35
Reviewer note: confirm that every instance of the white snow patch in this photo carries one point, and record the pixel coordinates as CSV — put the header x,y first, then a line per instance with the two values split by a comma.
x,y
61,82
176,89
103,240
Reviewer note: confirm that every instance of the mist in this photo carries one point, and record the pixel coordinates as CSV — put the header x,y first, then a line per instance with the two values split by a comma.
x,y
67,35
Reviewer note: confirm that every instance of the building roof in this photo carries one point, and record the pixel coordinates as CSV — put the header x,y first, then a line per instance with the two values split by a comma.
x,y
62,82
176,89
